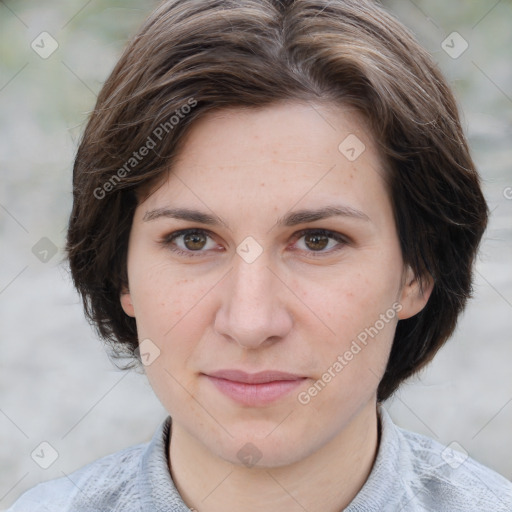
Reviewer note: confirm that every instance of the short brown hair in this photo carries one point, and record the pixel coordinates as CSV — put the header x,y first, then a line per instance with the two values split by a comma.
x,y
193,56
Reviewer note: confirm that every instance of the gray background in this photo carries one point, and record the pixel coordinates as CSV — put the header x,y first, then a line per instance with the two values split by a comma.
x,y
56,383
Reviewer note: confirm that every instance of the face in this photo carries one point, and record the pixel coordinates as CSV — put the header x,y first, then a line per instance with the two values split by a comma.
x,y
266,280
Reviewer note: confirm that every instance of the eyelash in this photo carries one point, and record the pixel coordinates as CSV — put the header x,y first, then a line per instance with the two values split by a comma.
x,y
168,240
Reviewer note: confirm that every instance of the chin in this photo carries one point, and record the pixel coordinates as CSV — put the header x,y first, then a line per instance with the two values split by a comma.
x,y
263,445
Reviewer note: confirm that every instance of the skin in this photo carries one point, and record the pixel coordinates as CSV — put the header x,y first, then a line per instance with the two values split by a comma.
x,y
296,308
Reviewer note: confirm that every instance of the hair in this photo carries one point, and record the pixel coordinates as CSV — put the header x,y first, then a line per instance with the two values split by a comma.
x,y
194,56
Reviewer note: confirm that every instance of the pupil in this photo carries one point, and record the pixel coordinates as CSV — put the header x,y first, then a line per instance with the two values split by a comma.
x,y
317,242
195,241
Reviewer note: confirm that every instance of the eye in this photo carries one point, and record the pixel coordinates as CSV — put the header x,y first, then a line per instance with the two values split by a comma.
x,y
196,242
320,241
189,241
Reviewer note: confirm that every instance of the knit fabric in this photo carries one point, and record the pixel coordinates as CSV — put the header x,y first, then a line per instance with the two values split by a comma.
x,y
412,473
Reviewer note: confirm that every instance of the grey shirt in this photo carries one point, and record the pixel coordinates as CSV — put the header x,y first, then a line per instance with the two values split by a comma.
x,y
411,473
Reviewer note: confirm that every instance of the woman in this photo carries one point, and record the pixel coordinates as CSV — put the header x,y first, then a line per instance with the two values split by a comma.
x,y
276,214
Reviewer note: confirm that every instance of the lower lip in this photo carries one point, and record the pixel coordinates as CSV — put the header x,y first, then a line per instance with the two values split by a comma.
x,y
255,394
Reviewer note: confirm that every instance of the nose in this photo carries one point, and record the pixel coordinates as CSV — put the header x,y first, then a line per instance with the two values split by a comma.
x,y
253,310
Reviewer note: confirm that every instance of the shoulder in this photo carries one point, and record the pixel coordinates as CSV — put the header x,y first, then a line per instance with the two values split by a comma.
x,y
443,478
100,485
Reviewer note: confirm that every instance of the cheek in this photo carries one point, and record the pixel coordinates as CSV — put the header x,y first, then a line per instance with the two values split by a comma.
x,y
357,306
354,358
170,311
164,302
354,298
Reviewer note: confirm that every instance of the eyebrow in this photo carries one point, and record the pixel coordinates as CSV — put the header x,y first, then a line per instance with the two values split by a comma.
x,y
289,219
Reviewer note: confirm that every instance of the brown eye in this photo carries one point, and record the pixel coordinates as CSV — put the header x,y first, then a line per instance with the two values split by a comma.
x,y
195,241
190,242
316,242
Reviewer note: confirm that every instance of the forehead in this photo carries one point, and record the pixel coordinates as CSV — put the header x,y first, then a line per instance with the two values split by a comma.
x,y
294,131
275,157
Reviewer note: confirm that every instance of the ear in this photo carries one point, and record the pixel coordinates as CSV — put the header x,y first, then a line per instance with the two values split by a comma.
x,y
126,302
414,297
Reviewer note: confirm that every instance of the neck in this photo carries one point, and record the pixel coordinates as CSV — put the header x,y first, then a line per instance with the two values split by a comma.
x,y
326,481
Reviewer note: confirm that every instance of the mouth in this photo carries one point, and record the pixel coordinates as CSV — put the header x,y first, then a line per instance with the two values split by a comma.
x,y
254,389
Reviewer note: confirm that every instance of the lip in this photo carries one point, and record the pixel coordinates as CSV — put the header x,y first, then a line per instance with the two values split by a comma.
x,y
255,389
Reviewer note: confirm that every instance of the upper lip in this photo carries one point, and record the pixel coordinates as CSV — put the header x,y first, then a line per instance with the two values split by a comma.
x,y
254,378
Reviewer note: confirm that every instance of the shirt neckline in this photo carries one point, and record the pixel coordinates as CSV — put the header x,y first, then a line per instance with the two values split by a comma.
x,y
158,492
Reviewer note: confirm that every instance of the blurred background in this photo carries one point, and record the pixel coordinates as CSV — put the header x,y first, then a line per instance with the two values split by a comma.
x,y
57,384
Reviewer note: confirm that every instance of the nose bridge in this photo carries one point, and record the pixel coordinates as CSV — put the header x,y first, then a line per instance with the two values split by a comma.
x,y
252,284
252,310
